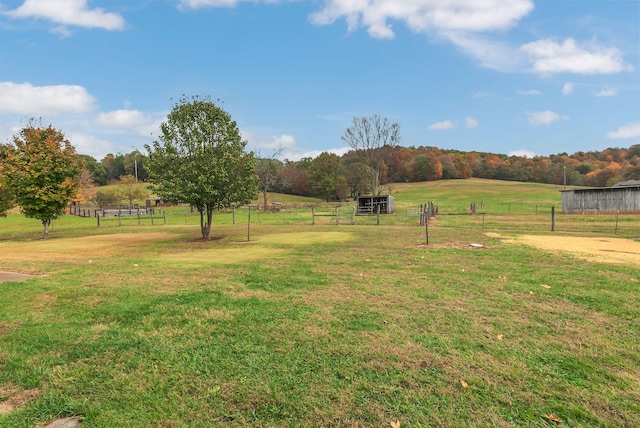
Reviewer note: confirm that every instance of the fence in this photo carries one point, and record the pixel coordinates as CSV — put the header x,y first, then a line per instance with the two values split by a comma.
x,y
138,218
533,218
547,220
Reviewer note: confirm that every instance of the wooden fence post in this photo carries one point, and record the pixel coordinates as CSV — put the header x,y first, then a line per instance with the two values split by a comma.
x,y
553,218
249,224
337,216
313,216
98,217
378,215
426,228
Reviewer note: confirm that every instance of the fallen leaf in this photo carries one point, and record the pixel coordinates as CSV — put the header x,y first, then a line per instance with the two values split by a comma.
x,y
395,424
499,337
464,384
553,418
135,265
545,286
503,277
600,271
531,293
634,280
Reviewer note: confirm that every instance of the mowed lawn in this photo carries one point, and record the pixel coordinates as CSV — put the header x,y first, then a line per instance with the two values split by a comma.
x,y
314,326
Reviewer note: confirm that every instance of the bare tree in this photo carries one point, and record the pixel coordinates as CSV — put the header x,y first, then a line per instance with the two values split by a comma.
x,y
373,139
267,171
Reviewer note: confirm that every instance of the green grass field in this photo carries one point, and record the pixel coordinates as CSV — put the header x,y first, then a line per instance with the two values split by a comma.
x,y
319,325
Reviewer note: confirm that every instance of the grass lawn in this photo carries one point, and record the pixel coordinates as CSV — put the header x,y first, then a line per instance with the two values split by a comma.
x,y
313,326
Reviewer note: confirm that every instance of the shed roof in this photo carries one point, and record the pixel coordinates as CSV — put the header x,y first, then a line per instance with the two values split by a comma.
x,y
612,188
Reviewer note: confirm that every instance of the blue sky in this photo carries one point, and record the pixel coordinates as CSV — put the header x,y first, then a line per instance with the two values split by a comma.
x,y
503,76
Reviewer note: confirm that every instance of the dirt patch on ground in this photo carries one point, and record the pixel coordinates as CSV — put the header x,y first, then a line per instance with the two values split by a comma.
x,y
14,276
14,397
601,250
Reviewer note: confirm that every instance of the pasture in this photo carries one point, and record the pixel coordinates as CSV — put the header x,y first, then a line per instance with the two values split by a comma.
x,y
320,325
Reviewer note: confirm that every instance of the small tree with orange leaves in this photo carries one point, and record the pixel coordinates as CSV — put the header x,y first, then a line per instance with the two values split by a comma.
x,y
43,169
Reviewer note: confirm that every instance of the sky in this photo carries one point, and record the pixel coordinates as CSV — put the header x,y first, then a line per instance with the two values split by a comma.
x,y
523,77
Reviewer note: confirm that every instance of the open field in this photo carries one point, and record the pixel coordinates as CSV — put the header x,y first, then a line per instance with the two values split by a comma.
x,y
319,325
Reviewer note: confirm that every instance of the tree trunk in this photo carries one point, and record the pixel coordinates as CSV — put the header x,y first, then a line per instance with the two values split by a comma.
x,y
205,226
264,194
46,224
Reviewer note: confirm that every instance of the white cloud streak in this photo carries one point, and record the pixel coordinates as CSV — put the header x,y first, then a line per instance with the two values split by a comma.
x,y
441,126
606,92
631,130
550,57
26,99
538,118
68,12
530,92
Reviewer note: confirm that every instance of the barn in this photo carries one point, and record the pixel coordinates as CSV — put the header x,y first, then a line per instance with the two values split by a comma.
x,y
624,197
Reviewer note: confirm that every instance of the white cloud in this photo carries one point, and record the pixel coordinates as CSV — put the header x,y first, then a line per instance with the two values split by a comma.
x,y
196,4
544,117
441,126
68,12
550,57
631,130
133,120
91,145
567,88
606,92
265,145
522,153
423,16
26,99
530,92
470,122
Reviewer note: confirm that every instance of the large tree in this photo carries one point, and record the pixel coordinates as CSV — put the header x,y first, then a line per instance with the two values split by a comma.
x,y
201,160
325,177
373,139
43,173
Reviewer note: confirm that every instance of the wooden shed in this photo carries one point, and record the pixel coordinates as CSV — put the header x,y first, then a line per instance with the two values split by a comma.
x,y
368,205
601,199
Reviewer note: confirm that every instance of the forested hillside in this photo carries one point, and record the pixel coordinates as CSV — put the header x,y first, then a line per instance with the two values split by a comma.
x,y
332,177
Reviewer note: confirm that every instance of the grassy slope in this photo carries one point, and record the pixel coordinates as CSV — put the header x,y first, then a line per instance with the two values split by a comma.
x,y
321,326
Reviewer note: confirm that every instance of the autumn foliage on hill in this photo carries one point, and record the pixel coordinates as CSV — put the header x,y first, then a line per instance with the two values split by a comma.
x,y
310,177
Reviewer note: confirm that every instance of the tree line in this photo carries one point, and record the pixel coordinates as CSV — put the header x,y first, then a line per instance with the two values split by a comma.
x,y
200,159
